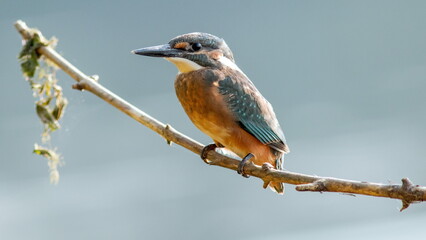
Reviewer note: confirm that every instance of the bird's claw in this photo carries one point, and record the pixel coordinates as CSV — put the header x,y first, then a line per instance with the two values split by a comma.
x,y
240,169
206,150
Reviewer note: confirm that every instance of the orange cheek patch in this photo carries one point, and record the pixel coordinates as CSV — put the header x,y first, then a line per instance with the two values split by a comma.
x,y
216,54
181,45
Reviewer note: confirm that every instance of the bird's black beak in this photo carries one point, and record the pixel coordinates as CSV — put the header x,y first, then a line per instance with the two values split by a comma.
x,y
159,51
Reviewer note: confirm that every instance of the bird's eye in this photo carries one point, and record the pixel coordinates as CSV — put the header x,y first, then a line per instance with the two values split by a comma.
x,y
196,46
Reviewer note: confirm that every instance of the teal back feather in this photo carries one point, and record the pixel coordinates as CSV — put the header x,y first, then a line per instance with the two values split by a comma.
x,y
247,107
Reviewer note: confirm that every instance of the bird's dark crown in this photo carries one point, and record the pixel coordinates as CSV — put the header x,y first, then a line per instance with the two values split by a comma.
x,y
207,42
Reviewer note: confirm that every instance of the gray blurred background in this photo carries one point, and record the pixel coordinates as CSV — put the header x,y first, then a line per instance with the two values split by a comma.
x,y
347,80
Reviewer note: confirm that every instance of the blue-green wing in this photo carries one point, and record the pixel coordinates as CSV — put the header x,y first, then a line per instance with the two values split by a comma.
x,y
253,111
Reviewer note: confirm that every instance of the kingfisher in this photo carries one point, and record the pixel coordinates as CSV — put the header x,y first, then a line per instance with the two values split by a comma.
x,y
222,102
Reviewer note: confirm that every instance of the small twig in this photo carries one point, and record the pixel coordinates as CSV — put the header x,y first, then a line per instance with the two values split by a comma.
x,y
407,192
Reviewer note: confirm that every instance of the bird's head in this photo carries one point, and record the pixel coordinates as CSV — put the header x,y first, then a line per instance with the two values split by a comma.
x,y
192,51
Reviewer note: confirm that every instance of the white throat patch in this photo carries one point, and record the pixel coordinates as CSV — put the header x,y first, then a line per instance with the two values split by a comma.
x,y
184,65
225,61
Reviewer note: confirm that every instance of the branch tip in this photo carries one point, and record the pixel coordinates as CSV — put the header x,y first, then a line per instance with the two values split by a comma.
x,y
78,86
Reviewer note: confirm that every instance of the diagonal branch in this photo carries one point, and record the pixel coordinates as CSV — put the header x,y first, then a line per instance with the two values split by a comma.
x,y
407,192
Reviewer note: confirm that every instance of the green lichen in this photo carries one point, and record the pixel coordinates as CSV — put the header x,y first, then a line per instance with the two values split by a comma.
x,y
50,103
54,160
29,56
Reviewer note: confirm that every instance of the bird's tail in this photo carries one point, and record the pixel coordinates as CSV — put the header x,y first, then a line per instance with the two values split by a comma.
x,y
277,187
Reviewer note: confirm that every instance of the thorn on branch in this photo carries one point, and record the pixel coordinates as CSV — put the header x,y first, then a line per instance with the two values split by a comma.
x,y
408,191
78,86
95,77
266,167
165,134
406,184
405,205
